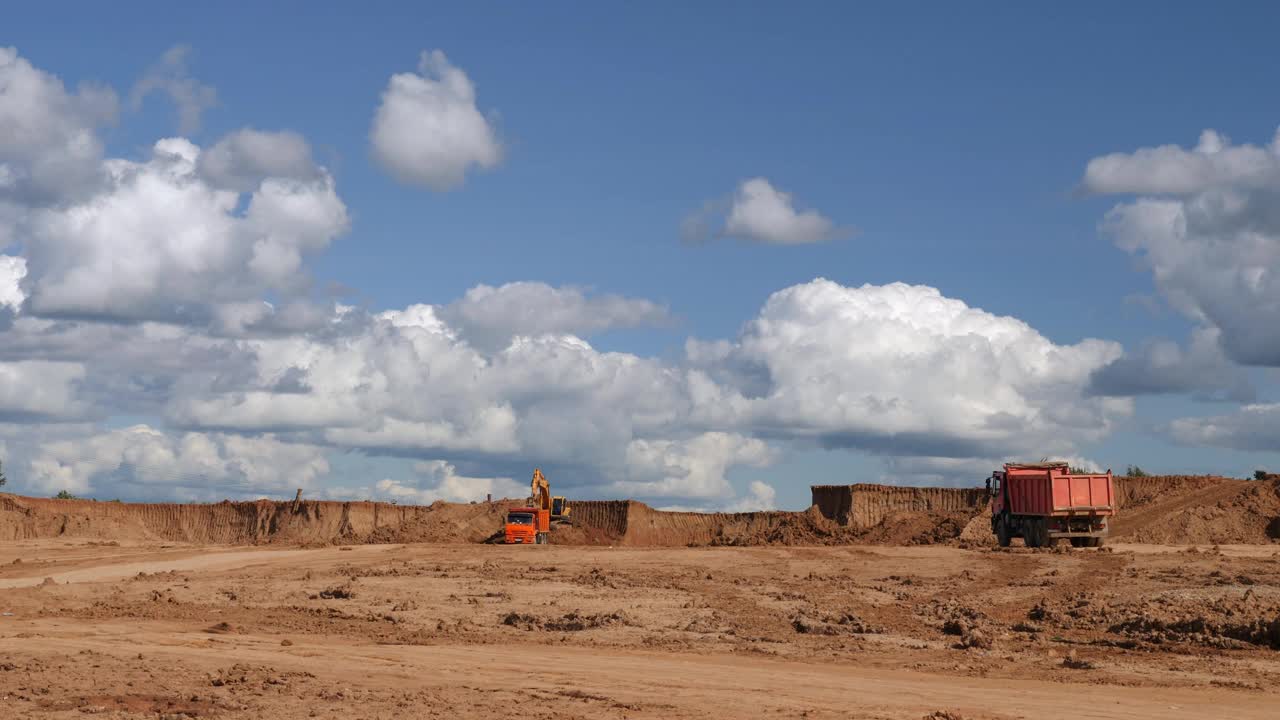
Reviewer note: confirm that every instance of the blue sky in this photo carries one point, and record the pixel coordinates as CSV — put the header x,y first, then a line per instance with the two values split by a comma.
x,y
955,141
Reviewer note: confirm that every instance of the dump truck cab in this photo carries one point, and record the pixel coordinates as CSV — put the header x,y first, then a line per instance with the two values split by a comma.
x,y
526,526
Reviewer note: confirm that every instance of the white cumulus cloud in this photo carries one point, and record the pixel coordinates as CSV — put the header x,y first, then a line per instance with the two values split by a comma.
x,y
49,148
158,242
428,130
491,316
242,160
902,370
41,389
760,213
439,480
193,465
1209,231
693,468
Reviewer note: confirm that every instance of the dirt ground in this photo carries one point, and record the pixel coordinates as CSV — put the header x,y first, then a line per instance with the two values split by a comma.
x,y
481,631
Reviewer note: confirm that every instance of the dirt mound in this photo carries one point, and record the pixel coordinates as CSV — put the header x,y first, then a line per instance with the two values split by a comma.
x,y
1197,510
247,523
918,528
1137,491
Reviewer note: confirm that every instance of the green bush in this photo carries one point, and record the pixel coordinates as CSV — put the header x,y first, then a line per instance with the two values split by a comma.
x,y
1135,471
64,495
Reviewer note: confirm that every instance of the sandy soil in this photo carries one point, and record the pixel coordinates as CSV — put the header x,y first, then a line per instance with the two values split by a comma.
x,y
481,631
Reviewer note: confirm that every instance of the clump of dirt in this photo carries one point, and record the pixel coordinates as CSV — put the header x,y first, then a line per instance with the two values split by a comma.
x,y
255,677
340,592
1229,622
1222,623
569,622
596,578
1076,663
842,624
970,625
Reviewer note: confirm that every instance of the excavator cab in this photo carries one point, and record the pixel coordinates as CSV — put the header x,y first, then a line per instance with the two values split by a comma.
x,y
560,509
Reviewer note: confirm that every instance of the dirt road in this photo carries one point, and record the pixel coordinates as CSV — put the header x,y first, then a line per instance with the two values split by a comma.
x,y
466,631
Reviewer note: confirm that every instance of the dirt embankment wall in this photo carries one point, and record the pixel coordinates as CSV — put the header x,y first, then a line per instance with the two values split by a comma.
x,y
867,505
631,523
246,523
1175,510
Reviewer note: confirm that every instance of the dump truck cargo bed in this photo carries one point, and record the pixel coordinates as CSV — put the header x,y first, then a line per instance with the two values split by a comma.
x,y
1045,492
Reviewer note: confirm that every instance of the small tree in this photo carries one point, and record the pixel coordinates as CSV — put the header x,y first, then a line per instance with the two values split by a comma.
x,y
1135,471
64,495
1257,475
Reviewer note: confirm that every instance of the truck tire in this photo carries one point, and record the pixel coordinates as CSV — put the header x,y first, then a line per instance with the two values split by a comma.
x,y
1079,542
1002,531
1035,533
1093,542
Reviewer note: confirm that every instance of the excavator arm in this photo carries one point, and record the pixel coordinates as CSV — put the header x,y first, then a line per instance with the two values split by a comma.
x,y
540,497
540,491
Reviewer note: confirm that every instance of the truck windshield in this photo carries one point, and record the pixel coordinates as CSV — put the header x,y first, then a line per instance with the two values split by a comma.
x,y
519,519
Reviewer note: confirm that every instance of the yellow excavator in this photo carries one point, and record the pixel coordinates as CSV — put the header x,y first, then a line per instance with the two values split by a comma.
x,y
530,525
540,492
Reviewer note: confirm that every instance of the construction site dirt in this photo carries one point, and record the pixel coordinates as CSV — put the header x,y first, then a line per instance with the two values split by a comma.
x,y
359,610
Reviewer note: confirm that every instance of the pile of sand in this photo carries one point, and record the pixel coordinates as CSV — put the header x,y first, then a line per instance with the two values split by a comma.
x,y
1198,510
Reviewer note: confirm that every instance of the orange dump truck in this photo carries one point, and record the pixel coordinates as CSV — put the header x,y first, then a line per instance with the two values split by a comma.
x,y
1043,503
527,526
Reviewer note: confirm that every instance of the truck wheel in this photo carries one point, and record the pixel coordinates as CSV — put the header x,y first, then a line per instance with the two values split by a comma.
x,y
1036,533
1093,542
1078,542
1002,531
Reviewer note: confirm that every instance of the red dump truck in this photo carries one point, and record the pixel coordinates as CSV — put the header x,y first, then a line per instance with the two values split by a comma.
x,y
1043,503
